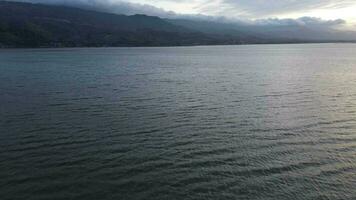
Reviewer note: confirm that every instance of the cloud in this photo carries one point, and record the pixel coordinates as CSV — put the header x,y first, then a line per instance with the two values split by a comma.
x,y
263,8
127,8
112,6
267,6
303,21
231,8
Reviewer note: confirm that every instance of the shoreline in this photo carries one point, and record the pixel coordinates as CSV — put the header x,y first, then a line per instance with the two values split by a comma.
x,y
170,46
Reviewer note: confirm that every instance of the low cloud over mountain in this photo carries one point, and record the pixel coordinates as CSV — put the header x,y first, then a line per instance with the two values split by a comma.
x,y
128,8
165,28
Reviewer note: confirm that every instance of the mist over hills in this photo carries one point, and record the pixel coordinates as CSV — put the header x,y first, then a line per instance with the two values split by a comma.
x,y
35,25
40,25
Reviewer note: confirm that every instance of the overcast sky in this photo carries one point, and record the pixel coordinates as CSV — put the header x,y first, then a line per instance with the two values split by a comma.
x,y
234,9
253,9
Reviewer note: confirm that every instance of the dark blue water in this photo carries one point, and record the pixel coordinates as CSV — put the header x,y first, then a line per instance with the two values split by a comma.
x,y
269,122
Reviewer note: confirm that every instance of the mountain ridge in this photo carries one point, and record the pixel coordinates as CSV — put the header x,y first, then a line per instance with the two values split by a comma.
x,y
40,25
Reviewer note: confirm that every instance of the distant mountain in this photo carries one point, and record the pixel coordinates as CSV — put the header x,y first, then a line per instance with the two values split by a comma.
x,y
247,33
38,25
226,32
35,25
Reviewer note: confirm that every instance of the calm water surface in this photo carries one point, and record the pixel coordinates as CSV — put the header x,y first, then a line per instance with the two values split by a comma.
x,y
268,122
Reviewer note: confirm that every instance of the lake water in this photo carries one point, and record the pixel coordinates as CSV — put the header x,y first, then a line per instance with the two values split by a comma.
x,y
268,122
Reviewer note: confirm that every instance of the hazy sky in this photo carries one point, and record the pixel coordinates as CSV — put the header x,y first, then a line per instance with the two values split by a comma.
x,y
254,9
329,12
